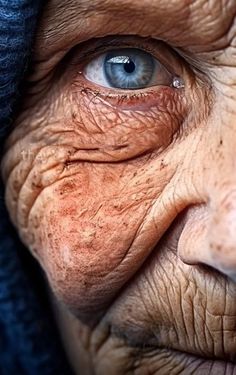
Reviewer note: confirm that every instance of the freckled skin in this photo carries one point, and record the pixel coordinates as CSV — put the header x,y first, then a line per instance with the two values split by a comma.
x,y
124,202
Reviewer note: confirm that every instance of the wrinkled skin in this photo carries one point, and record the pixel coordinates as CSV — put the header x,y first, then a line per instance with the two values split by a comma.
x,y
129,204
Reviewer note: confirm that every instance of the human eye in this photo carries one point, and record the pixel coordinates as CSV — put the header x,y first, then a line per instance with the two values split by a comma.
x,y
130,64
127,69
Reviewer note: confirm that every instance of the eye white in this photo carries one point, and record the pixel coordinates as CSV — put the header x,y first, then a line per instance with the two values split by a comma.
x,y
94,71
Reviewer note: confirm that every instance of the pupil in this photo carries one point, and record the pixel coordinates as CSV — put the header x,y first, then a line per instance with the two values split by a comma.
x,y
129,66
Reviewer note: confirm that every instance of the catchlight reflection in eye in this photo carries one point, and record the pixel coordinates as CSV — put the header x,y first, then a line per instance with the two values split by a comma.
x,y
129,69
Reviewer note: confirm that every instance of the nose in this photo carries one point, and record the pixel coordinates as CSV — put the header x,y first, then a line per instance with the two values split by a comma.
x,y
209,235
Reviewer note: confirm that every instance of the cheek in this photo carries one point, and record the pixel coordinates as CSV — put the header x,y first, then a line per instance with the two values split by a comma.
x,y
82,228
92,225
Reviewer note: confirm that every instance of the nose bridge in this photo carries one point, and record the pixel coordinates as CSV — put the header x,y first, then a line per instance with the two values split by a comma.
x,y
221,192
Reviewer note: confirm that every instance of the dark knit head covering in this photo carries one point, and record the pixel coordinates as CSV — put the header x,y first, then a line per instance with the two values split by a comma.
x,y
29,343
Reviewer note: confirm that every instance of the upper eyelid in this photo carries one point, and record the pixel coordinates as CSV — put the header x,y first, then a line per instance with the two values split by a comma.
x,y
168,57
80,54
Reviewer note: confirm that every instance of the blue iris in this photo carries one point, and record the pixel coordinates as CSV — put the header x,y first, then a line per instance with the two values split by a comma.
x,y
129,68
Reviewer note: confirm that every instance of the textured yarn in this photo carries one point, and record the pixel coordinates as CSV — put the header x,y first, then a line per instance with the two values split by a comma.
x,y
17,24
29,344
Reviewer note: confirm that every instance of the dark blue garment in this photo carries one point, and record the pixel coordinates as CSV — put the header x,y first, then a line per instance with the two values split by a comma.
x,y
17,24
29,343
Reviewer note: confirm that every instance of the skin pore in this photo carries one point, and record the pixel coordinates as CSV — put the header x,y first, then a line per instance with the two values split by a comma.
x,y
127,198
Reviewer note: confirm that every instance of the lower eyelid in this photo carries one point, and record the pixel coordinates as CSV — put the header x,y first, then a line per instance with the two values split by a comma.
x,y
105,108
142,99
116,133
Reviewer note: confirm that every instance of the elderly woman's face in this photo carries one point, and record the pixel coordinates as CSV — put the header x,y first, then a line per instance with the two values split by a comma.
x,y
121,178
